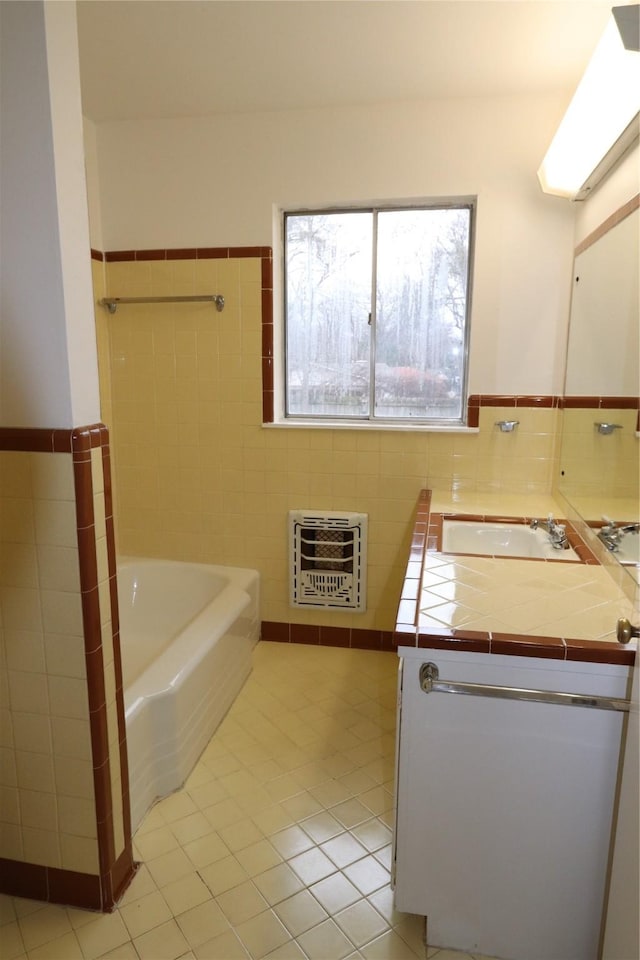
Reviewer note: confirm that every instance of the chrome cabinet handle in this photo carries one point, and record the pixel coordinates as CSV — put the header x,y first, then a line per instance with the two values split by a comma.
x,y
626,631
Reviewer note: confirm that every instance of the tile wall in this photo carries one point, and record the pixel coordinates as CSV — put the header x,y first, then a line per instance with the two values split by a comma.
x,y
198,477
600,465
64,823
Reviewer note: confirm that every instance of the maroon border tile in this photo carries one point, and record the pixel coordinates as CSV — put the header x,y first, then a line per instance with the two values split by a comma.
x,y
599,651
613,220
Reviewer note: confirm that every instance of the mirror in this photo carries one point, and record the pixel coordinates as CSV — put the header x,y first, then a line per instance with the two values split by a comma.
x,y
599,453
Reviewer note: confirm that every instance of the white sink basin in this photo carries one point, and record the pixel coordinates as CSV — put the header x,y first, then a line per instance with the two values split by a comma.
x,y
628,551
500,540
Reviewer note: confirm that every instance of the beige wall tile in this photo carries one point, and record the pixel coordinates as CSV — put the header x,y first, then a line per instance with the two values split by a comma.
x,y
32,731
79,854
71,738
52,476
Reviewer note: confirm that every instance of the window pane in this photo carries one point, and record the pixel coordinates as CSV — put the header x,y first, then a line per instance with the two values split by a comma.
x,y
422,268
328,295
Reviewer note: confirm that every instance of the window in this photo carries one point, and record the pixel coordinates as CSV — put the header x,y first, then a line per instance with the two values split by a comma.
x,y
376,313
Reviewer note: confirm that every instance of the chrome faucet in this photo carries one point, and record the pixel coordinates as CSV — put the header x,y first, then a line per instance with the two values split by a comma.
x,y
611,534
557,532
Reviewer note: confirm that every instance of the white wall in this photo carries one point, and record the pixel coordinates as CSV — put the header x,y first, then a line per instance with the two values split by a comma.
x,y
48,366
214,182
621,185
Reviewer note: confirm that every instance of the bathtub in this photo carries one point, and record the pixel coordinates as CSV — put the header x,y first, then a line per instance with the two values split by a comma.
x,y
186,635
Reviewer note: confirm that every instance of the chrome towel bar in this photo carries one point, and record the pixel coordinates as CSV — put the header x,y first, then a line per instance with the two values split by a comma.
x,y
430,682
112,302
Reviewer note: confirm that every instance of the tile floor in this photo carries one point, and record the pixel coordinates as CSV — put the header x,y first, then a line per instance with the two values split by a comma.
x,y
277,848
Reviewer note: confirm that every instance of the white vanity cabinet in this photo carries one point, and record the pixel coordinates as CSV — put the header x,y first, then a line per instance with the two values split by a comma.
x,y
504,806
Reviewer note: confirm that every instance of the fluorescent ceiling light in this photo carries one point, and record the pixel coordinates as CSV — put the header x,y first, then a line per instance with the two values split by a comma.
x,y
602,115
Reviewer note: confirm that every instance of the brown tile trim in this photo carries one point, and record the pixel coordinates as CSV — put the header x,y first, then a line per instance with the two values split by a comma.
x,y
600,403
477,400
97,254
599,651
475,641
115,626
266,279
183,253
93,645
53,885
352,638
612,221
515,645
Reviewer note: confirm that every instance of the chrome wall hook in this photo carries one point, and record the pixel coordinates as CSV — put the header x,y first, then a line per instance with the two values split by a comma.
x,y
607,428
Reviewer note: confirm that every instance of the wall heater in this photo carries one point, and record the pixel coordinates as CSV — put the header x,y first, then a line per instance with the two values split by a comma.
x,y
327,560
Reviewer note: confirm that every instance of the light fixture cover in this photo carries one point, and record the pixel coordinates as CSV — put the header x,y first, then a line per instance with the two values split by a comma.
x,y
603,110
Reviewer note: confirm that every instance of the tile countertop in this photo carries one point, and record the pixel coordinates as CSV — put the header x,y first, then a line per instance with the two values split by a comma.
x,y
537,608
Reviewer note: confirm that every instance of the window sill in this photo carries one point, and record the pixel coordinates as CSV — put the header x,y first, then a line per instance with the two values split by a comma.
x,y
368,425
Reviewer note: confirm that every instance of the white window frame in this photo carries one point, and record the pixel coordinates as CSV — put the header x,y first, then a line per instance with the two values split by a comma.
x,y
281,417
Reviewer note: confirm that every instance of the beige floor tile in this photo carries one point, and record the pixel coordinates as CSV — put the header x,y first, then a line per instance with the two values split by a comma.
x,y
272,820
176,806
63,948
104,933
11,943
361,923
389,946
223,875
202,923
145,913
206,794
185,893
165,942
191,827
258,857
223,814
7,910
351,812
206,849
343,849
156,842
372,834
291,841
300,912
125,951
262,934
302,805
242,903
288,951
335,893
367,875
169,867
312,865
241,834
278,883
322,826
226,946
40,926
325,940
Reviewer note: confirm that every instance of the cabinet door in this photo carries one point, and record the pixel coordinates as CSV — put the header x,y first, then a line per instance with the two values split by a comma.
x,y
504,812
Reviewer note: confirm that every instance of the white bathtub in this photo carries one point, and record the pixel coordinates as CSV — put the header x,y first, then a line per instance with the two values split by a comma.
x,y
186,633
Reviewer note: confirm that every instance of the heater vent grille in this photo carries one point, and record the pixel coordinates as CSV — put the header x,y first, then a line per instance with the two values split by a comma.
x,y
327,559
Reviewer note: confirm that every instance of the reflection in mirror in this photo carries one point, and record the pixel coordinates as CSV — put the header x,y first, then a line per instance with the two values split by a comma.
x,y
599,472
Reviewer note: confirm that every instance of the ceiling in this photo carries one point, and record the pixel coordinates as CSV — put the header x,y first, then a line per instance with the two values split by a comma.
x,y
175,58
